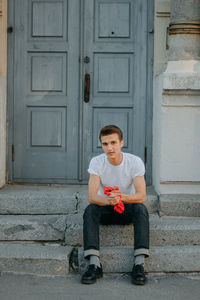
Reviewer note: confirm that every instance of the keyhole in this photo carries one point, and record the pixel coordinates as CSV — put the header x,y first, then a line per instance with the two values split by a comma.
x,y
113,32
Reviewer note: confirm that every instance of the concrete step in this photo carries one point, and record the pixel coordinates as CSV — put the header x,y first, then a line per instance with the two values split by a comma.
x,y
30,258
162,259
54,199
30,199
180,205
164,231
32,228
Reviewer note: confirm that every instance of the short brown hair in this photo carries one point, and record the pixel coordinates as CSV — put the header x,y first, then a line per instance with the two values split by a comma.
x,y
110,129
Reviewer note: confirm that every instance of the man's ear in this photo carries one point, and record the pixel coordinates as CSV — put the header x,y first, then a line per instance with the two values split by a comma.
x,y
122,143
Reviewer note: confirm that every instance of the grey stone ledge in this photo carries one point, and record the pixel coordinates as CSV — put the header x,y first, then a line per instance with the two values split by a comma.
x,y
28,199
180,205
54,199
163,231
34,258
162,259
40,227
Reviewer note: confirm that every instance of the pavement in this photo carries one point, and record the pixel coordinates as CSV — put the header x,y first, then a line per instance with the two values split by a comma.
x,y
111,287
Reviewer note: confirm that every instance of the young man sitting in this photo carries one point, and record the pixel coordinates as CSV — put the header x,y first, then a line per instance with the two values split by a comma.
x,y
117,193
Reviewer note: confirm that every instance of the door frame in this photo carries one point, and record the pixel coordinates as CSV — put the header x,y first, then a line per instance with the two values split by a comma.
x,y
149,92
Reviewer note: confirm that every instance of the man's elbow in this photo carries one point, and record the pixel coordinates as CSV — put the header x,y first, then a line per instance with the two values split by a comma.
x,y
143,197
91,199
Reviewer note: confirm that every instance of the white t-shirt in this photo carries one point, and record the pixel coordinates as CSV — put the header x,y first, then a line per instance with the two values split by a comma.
x,y
121,175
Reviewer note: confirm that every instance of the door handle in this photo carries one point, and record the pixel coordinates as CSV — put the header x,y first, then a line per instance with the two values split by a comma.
x,y
87,88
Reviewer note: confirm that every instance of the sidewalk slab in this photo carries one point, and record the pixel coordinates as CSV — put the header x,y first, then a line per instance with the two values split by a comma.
x,y
110,287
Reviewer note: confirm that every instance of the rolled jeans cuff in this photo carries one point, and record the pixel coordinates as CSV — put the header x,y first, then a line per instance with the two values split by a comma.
x,y
141,251
91,252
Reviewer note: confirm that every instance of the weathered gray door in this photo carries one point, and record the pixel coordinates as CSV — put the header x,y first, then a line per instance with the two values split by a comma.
x,y
115,41
46,90
58,42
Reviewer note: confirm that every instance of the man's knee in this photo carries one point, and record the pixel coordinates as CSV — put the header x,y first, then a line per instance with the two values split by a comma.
x,y
140,208
91,209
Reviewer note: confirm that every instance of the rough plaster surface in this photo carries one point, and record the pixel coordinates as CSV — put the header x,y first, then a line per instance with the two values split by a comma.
x,y
184,47
186,10
178,140
182,75
180,144
161,22
157,117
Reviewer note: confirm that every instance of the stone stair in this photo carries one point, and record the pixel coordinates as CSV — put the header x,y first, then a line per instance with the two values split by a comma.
x,y
41,232
32,228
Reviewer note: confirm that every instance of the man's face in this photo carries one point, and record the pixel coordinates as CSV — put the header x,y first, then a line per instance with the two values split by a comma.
x,y
112,145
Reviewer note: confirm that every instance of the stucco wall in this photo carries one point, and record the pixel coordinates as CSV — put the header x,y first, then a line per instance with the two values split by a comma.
x,y
180,139
176,109
3,83
161,23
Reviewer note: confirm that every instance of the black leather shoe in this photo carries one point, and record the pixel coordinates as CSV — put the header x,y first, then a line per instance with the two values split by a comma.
x,y
138,276
92,274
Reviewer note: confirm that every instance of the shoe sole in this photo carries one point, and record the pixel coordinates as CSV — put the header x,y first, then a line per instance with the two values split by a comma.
x,y
139,282
85,281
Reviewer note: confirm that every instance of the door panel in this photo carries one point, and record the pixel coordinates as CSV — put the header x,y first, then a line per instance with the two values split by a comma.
x,y
46,93
115,42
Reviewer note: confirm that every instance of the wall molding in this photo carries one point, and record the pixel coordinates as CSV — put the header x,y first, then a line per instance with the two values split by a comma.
x,y
184,27
163,14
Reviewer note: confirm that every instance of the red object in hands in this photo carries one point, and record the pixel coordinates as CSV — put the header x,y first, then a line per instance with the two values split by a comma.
x,y
119,207
108,189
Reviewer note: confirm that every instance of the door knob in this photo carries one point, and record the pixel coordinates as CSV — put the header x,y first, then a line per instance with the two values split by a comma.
x,y
86,59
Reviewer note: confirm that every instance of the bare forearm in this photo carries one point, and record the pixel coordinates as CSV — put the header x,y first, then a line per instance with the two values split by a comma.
x,y
134,198
98,200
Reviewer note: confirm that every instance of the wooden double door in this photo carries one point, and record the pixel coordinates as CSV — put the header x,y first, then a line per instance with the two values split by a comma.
x,y
77,65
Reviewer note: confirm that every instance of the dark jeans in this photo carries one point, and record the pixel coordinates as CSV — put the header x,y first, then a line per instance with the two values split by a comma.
x,y
95,215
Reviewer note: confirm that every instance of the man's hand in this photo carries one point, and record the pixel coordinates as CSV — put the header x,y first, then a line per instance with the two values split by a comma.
x,y
114,197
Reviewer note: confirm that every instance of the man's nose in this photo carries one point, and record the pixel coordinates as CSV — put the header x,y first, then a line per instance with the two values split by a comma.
x,y
109,146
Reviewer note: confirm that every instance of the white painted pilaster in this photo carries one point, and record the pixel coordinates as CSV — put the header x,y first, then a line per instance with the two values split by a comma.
x,y
176,145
